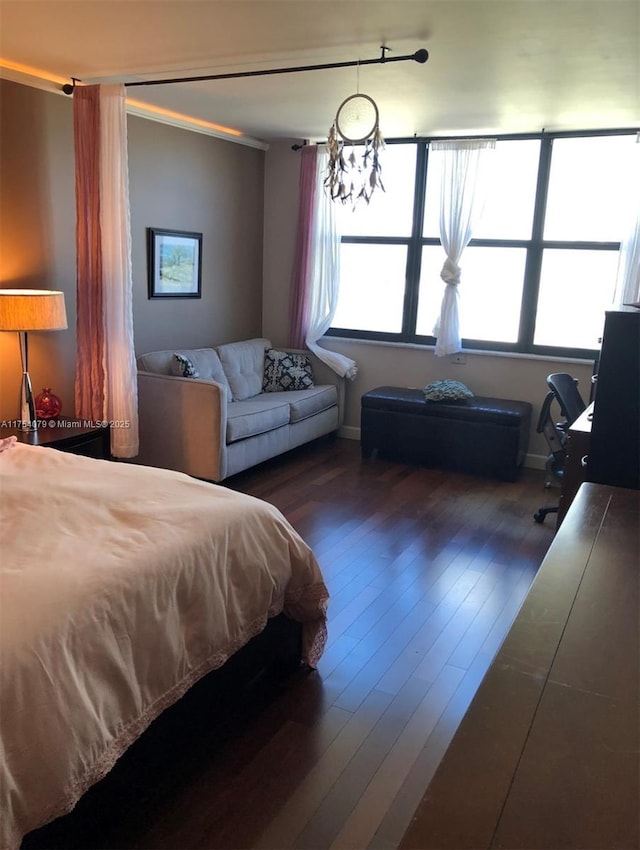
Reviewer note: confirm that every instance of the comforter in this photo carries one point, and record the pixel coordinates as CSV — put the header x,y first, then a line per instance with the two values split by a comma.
x,y
120,586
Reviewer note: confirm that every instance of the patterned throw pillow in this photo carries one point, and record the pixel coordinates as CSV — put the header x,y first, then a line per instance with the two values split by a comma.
x,y
183,367
284,371
447,391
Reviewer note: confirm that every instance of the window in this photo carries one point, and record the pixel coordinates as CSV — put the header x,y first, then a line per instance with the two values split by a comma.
x,y
540,270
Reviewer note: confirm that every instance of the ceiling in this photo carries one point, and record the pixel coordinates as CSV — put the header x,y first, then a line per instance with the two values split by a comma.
x,y
494,65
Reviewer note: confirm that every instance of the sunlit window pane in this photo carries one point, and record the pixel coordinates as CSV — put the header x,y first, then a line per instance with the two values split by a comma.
x,y
389,213
490,292
431,289
372,282
576,287
508,212
589,197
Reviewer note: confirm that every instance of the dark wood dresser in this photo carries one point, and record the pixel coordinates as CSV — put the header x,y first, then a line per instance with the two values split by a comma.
x,y
547,754
614,451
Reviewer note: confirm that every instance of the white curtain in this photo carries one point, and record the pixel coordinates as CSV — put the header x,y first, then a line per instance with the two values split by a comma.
x,y
628,281
325,274
463,169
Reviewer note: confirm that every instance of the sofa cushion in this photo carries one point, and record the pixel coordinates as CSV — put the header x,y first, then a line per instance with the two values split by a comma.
x,y
286,371
205,361
243,364
255,416
305,403
158,362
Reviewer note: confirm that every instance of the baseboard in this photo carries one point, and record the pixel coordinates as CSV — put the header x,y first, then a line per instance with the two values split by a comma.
x,y
351,432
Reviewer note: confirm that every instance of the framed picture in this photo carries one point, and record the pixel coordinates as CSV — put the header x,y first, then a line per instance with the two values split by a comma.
x,y
174,263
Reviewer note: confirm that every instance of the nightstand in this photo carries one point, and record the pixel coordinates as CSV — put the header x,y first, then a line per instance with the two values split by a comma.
x,y
68,434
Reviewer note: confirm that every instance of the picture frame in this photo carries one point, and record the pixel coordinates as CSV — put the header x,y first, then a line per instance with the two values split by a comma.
x,y
174,263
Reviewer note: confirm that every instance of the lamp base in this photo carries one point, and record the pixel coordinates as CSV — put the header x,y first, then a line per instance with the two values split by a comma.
x,y
27,405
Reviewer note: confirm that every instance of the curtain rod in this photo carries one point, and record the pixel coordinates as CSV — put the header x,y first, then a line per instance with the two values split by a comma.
x,y
419,56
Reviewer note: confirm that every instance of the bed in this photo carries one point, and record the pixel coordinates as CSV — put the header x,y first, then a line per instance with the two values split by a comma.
x,y
120,587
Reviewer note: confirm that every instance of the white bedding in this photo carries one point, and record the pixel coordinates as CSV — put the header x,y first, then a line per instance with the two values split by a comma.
x,y
120,586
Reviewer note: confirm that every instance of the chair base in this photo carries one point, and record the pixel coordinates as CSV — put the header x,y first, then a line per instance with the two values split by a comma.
x,y
541,513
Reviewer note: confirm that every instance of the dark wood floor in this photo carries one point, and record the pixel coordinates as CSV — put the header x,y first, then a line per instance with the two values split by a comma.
x,y
426,570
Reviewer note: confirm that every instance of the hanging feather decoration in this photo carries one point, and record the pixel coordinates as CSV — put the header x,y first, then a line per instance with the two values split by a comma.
x,y
351,178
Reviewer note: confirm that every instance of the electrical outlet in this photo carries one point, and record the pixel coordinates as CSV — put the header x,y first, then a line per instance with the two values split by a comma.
x,y
459,359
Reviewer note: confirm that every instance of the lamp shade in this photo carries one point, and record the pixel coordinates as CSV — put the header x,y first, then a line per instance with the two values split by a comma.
x,y
32,310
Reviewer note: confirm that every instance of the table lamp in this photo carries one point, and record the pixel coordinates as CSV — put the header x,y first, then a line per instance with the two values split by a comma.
x,y
23,310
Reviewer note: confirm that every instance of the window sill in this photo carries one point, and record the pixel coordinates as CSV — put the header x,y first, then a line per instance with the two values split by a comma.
x,y
516,355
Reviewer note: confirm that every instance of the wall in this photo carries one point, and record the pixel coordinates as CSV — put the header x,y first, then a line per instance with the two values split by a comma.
x,y
280,218
37,223
188,181
178,180
379,364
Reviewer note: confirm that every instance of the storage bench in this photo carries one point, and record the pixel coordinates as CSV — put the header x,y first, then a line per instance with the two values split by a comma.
x,y
484,436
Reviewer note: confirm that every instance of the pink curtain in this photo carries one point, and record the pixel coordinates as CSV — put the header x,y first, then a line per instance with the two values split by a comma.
x,y
106,379
301,274
90,377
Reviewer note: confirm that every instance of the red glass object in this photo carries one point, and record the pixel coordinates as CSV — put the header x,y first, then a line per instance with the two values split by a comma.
x,y
48,405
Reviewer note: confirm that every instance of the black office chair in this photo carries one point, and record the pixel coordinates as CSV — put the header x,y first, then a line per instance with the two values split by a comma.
x,y
563,388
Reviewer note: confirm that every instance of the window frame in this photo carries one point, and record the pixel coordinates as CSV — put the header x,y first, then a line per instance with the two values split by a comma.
x,y
534,246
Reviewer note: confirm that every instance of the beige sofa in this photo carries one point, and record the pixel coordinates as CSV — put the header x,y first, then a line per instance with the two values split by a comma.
x,y
221,422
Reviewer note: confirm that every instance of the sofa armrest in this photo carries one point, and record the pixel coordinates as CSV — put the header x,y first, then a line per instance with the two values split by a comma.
x,y
323,374
183,422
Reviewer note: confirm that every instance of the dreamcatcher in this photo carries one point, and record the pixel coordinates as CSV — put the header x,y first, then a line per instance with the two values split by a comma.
x,y
354,176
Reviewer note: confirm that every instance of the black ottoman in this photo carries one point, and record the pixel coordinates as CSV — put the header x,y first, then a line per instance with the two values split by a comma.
x,y
484,436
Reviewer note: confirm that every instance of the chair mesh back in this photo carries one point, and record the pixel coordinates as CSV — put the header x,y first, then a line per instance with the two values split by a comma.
x,y
565,389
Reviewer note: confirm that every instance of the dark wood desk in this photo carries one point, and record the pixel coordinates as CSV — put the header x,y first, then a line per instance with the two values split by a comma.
x,y
574,473
547,754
